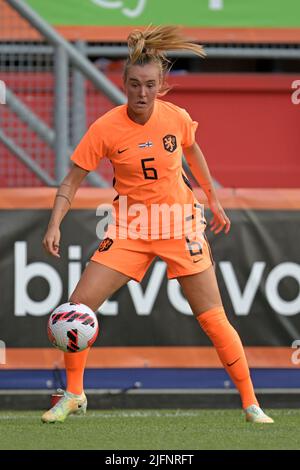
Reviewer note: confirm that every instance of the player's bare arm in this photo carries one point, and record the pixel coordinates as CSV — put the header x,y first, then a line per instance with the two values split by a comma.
x,y
200,170
63,200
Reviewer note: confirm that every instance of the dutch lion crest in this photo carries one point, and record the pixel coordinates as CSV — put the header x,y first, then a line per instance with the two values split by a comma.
x,y
170,143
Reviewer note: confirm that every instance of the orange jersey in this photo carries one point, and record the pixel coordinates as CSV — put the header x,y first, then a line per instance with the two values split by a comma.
x,y
147,159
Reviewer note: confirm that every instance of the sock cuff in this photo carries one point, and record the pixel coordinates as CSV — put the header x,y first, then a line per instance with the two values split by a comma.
x,y
210,314
72,395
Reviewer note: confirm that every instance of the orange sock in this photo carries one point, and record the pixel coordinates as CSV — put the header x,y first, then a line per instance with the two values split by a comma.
x,y
230,351
75,364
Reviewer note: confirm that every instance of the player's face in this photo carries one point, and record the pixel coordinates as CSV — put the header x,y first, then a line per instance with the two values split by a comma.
x,y
142,86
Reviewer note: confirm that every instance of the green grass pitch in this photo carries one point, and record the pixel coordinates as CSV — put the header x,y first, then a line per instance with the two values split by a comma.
x,y
150,429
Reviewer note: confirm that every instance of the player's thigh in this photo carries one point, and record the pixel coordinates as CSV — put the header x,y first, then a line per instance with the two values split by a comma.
x,y
97,283
201,290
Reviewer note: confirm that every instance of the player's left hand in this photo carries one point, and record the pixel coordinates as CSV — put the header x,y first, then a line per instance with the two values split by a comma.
x,y
220,221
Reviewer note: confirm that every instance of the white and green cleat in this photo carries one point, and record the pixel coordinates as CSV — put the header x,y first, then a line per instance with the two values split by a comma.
x,y
68,404
254,414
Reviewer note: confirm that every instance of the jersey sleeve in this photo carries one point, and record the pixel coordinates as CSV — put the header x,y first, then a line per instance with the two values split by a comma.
x,y
189,128
90,149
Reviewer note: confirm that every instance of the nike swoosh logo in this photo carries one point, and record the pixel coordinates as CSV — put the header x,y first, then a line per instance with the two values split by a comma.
x,y
121,151
231,364
196,261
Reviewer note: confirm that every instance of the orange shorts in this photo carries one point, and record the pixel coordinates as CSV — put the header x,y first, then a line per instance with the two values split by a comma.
x,y
133,257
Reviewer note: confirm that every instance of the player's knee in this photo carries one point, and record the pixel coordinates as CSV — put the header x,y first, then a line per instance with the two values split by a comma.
x,y
75,299
78,299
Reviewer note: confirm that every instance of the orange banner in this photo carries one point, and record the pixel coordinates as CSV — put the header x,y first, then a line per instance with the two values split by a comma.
x,y
154,357
90,198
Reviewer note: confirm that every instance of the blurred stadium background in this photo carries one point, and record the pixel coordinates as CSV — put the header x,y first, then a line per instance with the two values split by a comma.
x,y
61,64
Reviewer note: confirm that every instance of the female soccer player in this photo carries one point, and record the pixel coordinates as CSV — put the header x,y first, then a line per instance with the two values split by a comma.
x,y
144,141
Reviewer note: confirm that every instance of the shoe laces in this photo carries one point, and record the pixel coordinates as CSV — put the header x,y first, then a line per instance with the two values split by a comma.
x,y
256,410
60,403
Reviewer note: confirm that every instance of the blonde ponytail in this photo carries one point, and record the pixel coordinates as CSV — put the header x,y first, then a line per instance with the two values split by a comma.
x,y
155,40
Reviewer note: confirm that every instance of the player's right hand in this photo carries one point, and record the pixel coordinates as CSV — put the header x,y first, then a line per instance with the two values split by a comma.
x,y
51,241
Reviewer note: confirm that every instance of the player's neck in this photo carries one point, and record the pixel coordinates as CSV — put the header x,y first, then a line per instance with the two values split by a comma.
x,y
140,118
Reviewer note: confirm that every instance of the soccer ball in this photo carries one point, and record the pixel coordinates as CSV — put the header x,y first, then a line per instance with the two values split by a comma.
x,y
72,327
